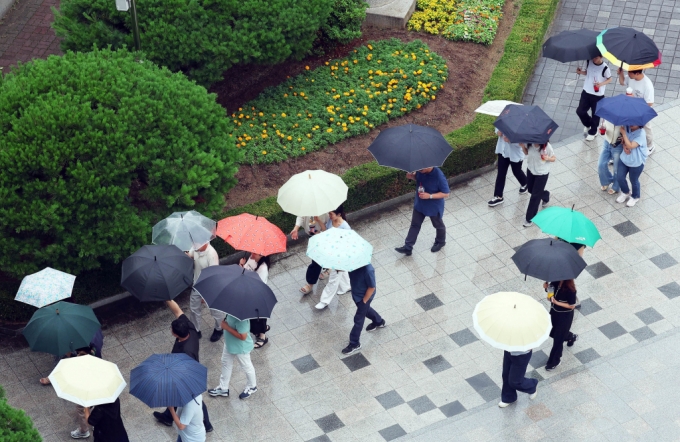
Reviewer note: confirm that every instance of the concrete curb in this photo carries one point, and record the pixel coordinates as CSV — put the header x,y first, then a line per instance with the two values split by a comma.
x,y
5,6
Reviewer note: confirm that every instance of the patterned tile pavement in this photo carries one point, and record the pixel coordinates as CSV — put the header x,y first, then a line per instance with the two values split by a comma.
x,y
427,365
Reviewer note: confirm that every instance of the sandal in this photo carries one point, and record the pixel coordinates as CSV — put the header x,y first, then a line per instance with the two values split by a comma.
x,y
45,381
306,289
603,188
268,328
611,191
324,274
261,342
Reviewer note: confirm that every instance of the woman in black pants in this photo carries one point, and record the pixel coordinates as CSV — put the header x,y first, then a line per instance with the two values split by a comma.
x,y
539,158
561,315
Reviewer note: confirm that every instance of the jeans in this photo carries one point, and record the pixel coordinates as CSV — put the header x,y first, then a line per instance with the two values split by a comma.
x,y
338,282
313,272
634,175
503,164
195,307
228,366
514,369
536,185
607,177
588,102
363,311
417,221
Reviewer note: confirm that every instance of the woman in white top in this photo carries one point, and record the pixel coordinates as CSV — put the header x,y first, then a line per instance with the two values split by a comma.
x,y
260,265
338,281
539,159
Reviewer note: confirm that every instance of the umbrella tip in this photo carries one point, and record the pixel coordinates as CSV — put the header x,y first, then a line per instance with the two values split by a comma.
x,y
256,217
515,306
154,258
572,207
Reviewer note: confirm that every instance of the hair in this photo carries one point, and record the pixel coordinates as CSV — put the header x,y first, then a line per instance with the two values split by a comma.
x,y
636,71
570,285
263,260
340,211
539,145
180,328
86,350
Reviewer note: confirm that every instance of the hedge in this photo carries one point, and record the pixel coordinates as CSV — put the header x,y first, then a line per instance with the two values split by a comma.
x,y
15,425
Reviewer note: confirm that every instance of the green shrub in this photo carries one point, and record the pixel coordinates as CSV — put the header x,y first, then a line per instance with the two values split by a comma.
x,y
201,38
344,22
96,147
15,425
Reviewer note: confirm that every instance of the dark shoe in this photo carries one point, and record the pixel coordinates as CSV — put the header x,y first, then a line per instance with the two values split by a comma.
x,y
209,428
162,418
200,335
373,325
436,247
496,200
351,349
247,393
570,342
524,189
404,250
546,201
216,335
552,367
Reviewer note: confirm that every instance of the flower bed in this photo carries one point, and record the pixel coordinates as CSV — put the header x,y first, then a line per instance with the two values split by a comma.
x,y
466,20
347,97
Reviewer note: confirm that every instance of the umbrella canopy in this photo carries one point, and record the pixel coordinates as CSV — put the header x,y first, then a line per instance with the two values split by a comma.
x,y
410,147
45,287
312,193
61,328
186,230
252,234
567,224
168,380
549,260
157,273
572,46
87,380
628,48
494,107
511,321
340,249
622,110
525,124
236,291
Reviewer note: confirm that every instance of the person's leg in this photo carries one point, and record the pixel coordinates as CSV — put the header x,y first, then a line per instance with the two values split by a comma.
x,y
248,369
313,272
650,137
606,177
634,176
508,394
519,173
582,109
83,426
516,376
530,181
503,164
440,227
621,173
344,285
558,336
372,314
218,316
227,367
195,309
542,181
616,155
536,189
206,417
331,288
359,319
594,119
417,219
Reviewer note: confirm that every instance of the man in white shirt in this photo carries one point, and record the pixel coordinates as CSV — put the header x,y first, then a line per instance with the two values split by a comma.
x,y
188,420
598,76
642,88
204,257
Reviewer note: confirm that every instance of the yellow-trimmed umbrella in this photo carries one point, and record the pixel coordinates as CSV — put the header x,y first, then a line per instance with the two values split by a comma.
x,y
511,321
87,380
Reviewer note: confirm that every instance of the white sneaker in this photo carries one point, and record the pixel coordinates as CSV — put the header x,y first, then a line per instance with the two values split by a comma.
x,y
533,395
527,224
650,150
590,137
631,202
502,404
585,130
321,306
77,434
622,197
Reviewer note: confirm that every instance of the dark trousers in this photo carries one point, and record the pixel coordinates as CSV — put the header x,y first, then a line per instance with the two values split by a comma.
x,y
588,102
363,311
258,326
514,369
417,221
503,164
313,272
536,185
206,417
561,323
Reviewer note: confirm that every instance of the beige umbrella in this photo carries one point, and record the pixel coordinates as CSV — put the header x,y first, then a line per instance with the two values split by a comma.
x,y
312,193
511,321
494,107
87,380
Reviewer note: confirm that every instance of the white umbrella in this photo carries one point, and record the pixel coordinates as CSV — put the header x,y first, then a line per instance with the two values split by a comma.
x,y
494,107
45,287
312,193
186,230
87,380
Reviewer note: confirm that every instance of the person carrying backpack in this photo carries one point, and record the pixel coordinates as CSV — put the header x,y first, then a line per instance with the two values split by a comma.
x,y
598,75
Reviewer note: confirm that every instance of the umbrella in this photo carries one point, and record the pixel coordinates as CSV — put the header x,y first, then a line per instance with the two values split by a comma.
x,y
45,287
312,192
628,48
549,260
340,249
186,230
236,291
572,46
61,328
252,234
410,147
567,224
511,321
168,380
494,107
87,380
525,124
622,110
157,273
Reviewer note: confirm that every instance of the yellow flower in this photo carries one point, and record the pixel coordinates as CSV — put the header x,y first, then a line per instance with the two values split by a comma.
x,y
329,130
306,68
264,152
370,48
289,138
261,114
283,115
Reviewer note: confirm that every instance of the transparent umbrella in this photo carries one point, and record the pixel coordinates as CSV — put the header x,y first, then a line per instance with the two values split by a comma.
x,y
185,230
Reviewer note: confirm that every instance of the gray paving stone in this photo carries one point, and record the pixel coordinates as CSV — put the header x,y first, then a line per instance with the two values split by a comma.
x,y
452,408
626,228
356,362
664,261
390,399
437,364
329,423
612,330
322,438
305,364
588,306
671,290
587,355
421,405
649,316
643,333
463,337
538,359
598,270
393,432
429,302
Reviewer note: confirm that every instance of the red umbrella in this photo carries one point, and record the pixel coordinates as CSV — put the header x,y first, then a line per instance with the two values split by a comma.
x,y
252,234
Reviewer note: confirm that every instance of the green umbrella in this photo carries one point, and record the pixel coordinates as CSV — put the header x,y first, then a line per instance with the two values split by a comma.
x,y
567,224
61,328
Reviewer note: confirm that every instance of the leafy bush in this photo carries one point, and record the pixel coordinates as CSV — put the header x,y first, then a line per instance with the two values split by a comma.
x,y
347,97
344,22
94,148
15,425
201,38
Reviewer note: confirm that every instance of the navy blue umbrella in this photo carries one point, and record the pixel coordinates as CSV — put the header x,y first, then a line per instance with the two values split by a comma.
x,y
525,124
572,46
622,110
549,259
410,148
157,273
168,380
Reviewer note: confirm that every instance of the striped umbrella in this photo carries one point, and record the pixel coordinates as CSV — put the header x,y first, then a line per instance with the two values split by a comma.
x,y
628,48
168,380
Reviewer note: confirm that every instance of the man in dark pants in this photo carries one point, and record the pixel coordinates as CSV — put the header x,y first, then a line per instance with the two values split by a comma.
x,y
514,368
186,341
598,76
431,190
363,292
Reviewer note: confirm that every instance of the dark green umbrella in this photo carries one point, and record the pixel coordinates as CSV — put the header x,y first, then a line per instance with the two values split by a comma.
x,y
61,328
567,224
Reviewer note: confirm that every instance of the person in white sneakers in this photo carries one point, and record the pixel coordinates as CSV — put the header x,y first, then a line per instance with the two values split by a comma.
x,y
514,370
598,75
642,87
204,257
539,159
338,281
237,345
631,163
260,265
509,155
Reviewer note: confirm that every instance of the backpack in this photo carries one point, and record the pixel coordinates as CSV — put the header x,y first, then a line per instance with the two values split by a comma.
x,y
604,69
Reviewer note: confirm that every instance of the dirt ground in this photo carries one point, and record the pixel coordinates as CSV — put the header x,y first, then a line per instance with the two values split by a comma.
x,y
470,67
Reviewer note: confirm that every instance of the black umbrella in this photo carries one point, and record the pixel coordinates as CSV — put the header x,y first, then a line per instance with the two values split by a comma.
x,y
157,273
525,124
572,46
236,291
410,148
549,259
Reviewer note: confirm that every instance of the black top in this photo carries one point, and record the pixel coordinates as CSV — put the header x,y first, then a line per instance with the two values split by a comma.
x,y
190,345
107,423
563,294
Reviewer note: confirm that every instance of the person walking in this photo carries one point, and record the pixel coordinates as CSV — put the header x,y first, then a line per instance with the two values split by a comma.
x,y
642,87
237,345
598,75
539,159
429,202
188,420
260,265
632,163
363,285
562,307
107,422
312,226
509,155
338,281
204,257
187,342
611,152
514,370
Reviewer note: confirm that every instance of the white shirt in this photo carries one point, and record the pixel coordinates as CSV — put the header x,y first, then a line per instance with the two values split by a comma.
x,y
262,271
594,75
642,89
512,151
303,221
203,260
191,415
534,162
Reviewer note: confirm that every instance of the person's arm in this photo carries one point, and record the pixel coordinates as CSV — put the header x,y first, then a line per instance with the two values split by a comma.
x,y
627,144
410,176
298,224
581,71
622,81
321,224
524,148
175,419
604,83
444,190
233,332
562,304
552,158
369,293
174,308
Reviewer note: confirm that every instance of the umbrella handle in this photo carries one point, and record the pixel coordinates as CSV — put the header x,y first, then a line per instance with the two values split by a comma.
x,y
257,310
